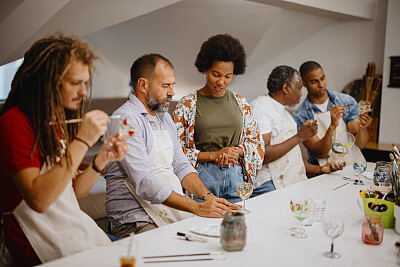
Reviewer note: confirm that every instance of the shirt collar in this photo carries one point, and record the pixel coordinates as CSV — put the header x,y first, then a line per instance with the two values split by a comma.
x,y
140,107
332,100
138,104
332,97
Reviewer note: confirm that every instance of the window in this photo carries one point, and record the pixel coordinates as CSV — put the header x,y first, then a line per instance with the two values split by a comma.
x,y
7,73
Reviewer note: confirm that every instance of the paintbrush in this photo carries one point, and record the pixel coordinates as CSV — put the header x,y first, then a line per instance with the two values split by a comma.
x,y
395,178
184,255
373,230
396,151
80,119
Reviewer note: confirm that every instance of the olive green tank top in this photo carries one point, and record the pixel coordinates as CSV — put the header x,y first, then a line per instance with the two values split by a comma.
x,y
218,122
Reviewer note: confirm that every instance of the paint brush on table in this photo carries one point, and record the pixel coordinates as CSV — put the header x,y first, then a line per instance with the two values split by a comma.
x,y
340,186
182,260
184,255
187,237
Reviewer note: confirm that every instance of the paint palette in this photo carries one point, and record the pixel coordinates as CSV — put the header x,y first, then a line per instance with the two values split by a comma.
x,y
209,230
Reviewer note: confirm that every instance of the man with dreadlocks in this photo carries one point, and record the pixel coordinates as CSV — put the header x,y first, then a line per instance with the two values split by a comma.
x,y
40,153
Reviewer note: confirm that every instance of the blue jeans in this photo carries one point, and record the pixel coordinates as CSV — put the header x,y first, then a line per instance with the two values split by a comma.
x,y
221,180
266,187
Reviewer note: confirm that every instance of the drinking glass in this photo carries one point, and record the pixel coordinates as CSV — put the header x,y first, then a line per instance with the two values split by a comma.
x,y
333,228
372,229
319,209
381,176
244,191
129,257
300,210
359,166
364,106
310,218
342,142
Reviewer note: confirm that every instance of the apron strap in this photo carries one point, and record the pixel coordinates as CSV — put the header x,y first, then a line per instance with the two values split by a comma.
x,y
114,182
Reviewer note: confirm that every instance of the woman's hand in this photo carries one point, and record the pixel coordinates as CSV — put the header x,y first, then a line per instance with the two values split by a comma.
x,y
228,156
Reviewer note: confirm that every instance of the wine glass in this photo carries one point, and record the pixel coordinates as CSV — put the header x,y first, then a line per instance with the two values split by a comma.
x,y
333,228
244,191
300,210
359,166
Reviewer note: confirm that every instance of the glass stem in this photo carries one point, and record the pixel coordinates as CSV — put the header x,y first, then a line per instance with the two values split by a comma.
x,y
300,226
332,245
244,203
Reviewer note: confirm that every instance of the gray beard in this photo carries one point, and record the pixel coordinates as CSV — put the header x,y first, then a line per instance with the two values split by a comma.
x,y
156,105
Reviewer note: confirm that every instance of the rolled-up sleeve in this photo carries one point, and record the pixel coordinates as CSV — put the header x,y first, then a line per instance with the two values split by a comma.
x,y
352,110
136,163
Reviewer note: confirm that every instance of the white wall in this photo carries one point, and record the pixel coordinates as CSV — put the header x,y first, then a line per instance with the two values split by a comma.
x,y
338,34
177,32
389,130
343,48
272,36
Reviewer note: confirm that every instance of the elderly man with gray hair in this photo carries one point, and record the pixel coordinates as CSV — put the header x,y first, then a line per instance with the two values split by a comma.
x,y
283,162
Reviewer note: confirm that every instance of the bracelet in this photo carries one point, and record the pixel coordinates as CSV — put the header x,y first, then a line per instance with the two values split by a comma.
x,y
203,198
95,168
80,140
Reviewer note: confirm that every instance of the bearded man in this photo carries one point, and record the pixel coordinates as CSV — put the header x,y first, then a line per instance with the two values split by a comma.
x,y
144,191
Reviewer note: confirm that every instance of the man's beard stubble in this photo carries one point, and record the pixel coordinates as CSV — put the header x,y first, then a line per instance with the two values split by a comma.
x,y
158,106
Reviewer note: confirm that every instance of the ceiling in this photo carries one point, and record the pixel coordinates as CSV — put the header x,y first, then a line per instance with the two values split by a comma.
x,y
24,21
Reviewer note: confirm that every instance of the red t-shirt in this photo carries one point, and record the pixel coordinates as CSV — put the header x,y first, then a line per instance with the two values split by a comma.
x,y
17,141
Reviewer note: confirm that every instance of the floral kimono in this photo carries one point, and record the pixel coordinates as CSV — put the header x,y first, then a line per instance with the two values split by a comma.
x,y
250,140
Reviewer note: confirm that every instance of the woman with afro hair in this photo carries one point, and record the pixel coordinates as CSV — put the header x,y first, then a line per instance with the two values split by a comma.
x,y
216,127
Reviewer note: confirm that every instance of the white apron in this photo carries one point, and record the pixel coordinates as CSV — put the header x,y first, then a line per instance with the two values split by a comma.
x,y
64,229
289,169
324,121
161,157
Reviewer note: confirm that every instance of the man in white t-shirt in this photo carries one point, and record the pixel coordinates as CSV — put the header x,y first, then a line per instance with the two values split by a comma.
x,y
283,162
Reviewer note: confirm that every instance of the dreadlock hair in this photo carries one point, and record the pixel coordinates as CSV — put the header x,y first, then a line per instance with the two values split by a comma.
x,y
36,91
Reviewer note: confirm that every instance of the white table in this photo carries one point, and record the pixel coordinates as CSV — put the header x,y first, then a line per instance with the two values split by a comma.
x,y
268,236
